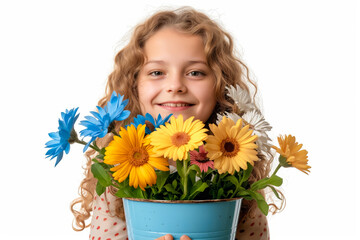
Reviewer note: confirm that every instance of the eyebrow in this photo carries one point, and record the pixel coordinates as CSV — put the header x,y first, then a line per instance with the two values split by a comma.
x,y
163,62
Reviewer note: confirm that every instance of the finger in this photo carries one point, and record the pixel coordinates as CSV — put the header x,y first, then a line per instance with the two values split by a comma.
x,y
166,237
184,237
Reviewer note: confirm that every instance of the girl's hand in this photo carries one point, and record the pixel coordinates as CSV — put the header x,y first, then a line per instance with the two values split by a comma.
x,y
169,237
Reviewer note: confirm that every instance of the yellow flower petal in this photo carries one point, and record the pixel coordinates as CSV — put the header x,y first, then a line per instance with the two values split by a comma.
x,y
290,149
131,153
232,146
176,138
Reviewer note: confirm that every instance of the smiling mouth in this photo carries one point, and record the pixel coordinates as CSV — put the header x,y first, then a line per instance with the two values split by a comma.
x,y
176,104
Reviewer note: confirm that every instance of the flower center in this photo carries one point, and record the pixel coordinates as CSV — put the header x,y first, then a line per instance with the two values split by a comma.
x,y
230,147
180,138
203,160
202,157
138,157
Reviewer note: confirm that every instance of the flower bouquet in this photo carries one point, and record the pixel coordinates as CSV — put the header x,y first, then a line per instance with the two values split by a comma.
x,y
206,165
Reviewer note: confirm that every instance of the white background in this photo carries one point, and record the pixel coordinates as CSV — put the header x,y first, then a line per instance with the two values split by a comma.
x,y
57,54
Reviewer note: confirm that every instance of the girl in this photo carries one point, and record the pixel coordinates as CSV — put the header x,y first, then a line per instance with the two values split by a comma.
x,y
177,62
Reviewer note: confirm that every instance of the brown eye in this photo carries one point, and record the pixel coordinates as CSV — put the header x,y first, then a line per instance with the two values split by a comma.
x,y
156,73
196,74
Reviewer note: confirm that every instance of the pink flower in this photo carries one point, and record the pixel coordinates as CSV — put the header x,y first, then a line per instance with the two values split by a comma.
x,y
200,158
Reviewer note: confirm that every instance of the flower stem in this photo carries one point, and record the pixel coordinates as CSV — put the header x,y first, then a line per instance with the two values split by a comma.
x,y
185,177
91,145
277,169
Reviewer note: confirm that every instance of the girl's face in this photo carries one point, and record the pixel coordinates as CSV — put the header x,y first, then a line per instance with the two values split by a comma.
x,y
175,77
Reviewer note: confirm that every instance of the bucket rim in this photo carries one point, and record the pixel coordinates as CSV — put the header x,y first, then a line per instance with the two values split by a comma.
x,y
183,201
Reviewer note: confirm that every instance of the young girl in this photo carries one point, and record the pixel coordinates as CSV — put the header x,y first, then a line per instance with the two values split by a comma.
x,y
177,62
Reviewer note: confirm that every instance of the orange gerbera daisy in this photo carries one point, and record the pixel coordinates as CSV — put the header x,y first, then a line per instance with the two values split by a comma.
x,y
295,157
232,146
132,155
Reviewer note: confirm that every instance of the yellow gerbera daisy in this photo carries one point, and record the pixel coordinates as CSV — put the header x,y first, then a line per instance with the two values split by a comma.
x,y
177,138
232,146
290,149
133,155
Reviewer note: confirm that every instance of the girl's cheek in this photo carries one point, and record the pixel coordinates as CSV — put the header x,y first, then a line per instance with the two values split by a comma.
x,y
147,89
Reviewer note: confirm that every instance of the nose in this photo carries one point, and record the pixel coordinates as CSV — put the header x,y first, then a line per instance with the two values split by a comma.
x,y
176,84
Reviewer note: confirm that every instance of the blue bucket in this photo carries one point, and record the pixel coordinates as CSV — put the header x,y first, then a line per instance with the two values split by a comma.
x,y
199,219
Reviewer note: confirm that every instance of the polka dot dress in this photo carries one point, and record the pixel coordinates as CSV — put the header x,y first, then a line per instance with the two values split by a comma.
x,y
104,224
253,228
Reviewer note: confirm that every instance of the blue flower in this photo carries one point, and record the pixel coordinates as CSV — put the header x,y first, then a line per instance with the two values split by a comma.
x,y
61,140
155,122
97,125
115,107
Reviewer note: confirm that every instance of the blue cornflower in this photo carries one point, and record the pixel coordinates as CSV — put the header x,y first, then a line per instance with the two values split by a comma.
x,y
97,125
140,119
62,138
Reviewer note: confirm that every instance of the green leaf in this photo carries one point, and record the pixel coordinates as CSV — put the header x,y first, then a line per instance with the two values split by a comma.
x,y
100,189
94,143
161,179
242,193
249,198
233,180
262,204
246,173
101,152
101,174
179,167
192,178
174,184
197,188
215,179
220,193
223,175
127,191
263,183
275,192
124,189
194,167
100,156
124,193
170,189
138,193
276,181
259,184
105,166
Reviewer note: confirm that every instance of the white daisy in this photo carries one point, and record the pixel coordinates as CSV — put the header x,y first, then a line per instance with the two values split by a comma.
x,y
264,143
257,121
241,98
260,126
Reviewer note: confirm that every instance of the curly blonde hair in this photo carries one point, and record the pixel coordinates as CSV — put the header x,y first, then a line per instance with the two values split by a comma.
x,y
227,68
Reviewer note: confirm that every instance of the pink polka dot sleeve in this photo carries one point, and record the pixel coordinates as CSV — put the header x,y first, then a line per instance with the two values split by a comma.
x,y
253,228
104,224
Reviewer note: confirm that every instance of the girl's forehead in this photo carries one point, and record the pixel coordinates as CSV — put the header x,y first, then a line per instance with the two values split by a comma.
x,y
170,42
